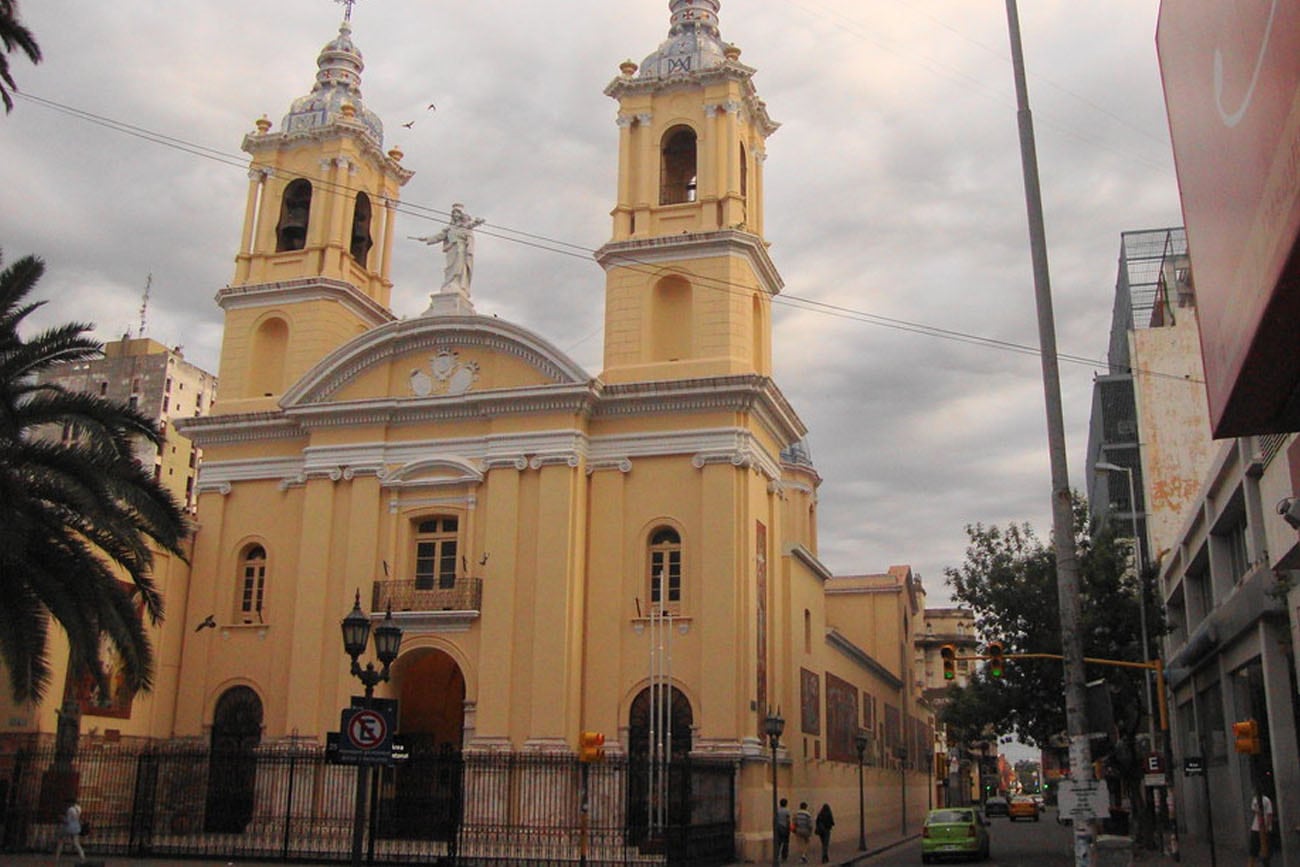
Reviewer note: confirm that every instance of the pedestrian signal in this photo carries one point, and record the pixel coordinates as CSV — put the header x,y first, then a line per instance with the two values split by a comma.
x,y
591,747
949,654
994,653
1246,735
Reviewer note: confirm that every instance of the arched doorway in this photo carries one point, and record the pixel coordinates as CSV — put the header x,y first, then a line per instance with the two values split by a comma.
x,y
422,794
656,767
232,764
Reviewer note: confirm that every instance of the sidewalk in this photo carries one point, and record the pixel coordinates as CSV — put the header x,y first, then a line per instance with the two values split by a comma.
x,y
844,851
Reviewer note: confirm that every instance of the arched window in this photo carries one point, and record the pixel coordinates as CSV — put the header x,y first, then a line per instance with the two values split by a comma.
x,y
677,167
252,584
664,565
361,241
435,553
295,209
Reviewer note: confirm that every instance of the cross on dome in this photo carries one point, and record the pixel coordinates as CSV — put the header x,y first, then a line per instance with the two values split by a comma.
x,y
347,14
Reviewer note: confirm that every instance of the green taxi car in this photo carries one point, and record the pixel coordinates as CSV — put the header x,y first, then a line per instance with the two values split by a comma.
x,y
954,832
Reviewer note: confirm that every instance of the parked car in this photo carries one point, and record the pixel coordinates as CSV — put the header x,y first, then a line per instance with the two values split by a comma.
x,y
954,832
1022,807
996,806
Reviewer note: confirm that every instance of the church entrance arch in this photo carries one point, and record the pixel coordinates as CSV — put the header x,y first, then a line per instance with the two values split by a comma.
x,y
658,742
422,794
232,763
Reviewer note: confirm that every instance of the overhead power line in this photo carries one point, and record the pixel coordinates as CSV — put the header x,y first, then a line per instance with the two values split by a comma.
x,y
579,251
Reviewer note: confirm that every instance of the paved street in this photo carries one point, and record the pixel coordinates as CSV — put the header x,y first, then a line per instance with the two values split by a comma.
x,y
1012,844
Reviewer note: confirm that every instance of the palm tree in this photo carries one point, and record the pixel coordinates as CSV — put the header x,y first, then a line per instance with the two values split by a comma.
x,y
78,513
13,35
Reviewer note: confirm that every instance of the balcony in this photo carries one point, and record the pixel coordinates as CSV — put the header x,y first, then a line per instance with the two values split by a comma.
x,y
434,608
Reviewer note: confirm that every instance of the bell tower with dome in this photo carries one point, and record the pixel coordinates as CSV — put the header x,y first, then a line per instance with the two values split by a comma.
x,y
689,281
312,270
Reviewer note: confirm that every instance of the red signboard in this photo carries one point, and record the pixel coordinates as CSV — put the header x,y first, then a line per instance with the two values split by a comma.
x,y
1232,77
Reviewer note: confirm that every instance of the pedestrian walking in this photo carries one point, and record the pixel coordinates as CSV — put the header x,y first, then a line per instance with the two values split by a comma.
x,y
803,830
825,821
781,840
1261,830
70,830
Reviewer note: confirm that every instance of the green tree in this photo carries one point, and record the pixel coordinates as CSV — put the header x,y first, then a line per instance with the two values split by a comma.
x,y
78,513
13,36
1009,581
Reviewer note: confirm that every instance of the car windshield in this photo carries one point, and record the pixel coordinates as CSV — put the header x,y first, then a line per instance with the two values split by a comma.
x,y
949,817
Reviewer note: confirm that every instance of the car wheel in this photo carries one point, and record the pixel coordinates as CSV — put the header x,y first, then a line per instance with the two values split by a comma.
x,y
1035,817
925,859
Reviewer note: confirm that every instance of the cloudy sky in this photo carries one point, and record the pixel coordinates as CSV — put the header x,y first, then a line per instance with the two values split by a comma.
x,y
895,206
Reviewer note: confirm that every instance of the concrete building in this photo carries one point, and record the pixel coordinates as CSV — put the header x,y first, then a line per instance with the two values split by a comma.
x,y
158,382
956,770
1208,524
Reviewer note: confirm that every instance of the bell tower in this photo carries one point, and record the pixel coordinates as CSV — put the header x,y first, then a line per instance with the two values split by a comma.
x,y
312,270
689,282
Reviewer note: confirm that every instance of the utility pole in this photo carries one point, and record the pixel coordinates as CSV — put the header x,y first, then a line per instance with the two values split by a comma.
x,y
1067,563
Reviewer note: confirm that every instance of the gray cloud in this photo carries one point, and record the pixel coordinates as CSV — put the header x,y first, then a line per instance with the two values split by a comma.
x,y
893,187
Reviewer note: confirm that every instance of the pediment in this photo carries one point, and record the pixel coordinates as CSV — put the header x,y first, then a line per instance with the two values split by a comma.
x,y
434,472
434,357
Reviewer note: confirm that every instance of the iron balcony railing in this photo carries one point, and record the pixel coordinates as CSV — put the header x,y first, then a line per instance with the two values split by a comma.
x,y
466,594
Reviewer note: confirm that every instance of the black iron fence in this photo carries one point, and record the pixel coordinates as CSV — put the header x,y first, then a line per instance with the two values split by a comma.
x,y
465,594
291,804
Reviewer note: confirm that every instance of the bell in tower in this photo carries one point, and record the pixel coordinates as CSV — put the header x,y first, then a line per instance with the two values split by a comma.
x,y
313,266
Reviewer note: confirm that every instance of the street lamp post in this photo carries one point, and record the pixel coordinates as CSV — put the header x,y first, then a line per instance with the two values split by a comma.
x,y
1103,467
388,640
773,726
860,741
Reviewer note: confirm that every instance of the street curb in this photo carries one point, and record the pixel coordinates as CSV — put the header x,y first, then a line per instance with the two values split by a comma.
x,y
871,853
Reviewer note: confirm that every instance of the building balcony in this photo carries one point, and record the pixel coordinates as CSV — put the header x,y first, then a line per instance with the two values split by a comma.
x,y
421,607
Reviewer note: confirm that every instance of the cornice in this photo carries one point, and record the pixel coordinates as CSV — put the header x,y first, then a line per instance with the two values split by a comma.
x,y
668,249
259,143
838,641
731,70
809,559
747,393
209,430
302,290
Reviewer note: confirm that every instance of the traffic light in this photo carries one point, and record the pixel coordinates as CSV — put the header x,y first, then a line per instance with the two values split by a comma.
x,y
994,653
591,747
949,654
1246,735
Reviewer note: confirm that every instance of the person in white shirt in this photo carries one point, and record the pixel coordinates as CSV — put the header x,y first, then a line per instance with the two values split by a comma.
x,y
1261,829
70,831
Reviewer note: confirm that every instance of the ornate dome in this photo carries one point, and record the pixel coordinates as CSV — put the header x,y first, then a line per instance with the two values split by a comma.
x,y
338,83
693,43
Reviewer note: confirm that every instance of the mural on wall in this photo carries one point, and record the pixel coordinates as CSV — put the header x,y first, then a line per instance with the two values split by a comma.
x,y
841,719
116,704
810,702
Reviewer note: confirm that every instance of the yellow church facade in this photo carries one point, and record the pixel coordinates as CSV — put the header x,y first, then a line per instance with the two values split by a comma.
x,y
561,549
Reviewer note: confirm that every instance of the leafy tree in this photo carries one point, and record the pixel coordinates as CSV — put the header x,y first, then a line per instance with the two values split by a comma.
x,y
13,36
78,513
1009,581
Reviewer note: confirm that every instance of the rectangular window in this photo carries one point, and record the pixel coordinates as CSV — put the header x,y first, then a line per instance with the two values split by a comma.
x,y
435,554
666,567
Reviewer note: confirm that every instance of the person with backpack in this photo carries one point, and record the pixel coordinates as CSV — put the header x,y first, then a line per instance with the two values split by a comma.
x,y
803,829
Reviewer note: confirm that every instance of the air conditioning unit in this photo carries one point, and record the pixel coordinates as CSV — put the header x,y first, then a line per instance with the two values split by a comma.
x,y
1289,509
